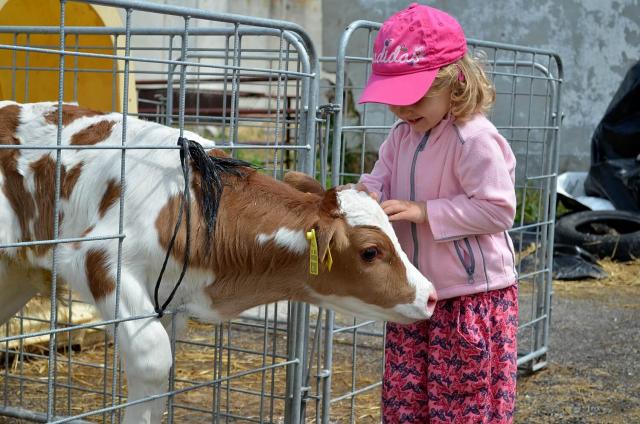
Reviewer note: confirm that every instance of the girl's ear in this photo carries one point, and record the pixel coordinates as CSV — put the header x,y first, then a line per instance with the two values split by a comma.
x,y
302,182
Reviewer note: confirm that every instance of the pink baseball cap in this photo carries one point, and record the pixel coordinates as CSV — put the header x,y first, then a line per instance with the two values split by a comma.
x,y
410,48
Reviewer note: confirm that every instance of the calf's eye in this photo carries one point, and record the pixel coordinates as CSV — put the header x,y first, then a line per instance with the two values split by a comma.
x,y
369,254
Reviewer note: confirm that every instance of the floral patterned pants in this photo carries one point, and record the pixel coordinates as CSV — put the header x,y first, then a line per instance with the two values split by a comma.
x,y
458,367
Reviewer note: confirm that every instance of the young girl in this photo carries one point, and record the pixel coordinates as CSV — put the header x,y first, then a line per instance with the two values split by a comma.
x,y
445,177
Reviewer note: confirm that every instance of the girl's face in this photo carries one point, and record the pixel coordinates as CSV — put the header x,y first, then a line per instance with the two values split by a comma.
x,y
427,112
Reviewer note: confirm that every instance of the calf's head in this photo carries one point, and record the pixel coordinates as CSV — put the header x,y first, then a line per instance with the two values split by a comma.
x,y
370,274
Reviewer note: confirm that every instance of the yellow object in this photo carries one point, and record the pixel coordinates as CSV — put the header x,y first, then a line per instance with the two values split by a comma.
x,y
92,79
329,261
313,252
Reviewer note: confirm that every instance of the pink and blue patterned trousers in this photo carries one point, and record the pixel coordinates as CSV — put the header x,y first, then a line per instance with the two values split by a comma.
x,y
458,367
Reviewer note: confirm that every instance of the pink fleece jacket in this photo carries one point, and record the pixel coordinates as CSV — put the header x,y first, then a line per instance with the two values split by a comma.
x,y
464,171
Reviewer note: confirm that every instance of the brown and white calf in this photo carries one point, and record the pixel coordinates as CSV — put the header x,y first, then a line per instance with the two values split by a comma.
x,y
256,253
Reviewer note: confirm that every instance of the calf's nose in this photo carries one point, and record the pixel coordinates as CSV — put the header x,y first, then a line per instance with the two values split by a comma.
x,y
431,303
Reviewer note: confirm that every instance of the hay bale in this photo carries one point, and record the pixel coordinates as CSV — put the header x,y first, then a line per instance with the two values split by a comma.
x,y
36,317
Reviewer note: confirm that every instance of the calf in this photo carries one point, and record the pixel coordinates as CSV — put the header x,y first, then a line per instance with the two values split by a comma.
x,y
250,236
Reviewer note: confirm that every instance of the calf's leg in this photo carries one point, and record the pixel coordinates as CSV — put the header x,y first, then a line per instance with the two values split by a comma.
x,y
146,348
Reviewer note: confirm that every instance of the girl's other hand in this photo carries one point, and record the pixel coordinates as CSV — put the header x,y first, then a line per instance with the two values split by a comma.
x,y
405,210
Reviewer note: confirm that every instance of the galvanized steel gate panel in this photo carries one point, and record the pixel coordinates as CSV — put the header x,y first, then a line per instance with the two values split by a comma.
x,y
527,114
246,83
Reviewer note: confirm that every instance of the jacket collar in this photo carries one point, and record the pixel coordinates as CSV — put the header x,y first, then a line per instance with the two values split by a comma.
x,y
437,131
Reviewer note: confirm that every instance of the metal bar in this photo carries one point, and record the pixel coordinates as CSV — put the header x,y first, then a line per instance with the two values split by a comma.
x,y
144,60
172,373
278,114
234,87
14,60
63,385
59,241
388,127
51,389
326,373
225,86
26,74
161,395
103,323
263,375
37,417
202,14
352,327
534,321
298,366
100,30
354,393
274,348
532,355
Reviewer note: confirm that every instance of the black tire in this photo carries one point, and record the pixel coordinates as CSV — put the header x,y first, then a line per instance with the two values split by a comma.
x,y
606,234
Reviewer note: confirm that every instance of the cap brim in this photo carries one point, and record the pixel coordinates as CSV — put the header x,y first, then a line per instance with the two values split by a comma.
x,y
398,90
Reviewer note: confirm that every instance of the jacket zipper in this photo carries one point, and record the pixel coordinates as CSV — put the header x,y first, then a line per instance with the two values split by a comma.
x,y
471,266
412,197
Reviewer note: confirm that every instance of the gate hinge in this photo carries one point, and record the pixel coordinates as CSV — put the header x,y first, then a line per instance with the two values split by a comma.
x,y
329,109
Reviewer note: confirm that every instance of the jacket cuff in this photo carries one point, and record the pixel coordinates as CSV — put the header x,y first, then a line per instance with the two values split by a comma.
x,y
435,217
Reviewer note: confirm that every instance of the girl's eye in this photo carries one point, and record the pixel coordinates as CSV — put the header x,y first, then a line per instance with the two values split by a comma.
x,y
369,254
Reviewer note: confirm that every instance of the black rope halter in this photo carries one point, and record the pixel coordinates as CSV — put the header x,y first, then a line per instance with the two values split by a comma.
x,y
210,169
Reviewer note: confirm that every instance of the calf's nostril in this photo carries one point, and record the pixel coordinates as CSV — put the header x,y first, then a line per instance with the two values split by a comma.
x,y
431,303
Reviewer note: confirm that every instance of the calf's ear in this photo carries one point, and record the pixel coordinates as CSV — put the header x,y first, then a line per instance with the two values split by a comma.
x,y
303,182
332,235
332,231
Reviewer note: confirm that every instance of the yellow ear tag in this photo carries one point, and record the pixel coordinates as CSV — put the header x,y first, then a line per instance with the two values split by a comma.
x,y
313,252
329,259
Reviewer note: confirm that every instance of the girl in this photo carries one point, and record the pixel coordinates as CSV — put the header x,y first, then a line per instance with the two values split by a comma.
x,y
445,177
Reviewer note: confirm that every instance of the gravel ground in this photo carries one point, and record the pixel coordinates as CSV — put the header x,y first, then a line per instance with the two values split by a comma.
x,y
593,374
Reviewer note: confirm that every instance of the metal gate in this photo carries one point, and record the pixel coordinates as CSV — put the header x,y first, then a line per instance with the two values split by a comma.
x,y
252,86
246,83
527,114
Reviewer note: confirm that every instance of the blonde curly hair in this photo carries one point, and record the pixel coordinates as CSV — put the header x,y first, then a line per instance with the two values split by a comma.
x,y
471,90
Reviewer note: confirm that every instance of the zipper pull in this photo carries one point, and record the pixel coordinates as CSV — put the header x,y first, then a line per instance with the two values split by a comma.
x,y
469,278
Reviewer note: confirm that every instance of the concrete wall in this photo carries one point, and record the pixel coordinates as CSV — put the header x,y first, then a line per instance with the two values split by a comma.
x,y
306,13
598,41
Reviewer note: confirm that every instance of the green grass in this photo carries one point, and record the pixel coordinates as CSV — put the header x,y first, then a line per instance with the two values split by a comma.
x,y
257,158
530,206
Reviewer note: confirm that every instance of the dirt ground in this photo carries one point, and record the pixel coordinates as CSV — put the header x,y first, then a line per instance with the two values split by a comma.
x,y
593,374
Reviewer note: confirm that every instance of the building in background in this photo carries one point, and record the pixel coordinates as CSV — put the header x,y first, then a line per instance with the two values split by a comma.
x,y
597,40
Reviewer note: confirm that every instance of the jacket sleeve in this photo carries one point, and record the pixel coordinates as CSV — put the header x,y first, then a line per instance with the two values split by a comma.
x,y
486,171
379,180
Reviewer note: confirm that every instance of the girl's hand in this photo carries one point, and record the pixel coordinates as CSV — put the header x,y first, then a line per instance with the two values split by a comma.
x,y
405,210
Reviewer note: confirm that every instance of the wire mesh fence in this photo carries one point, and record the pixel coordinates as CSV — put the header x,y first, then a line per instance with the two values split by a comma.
x,y
247,85
527,114
252,87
